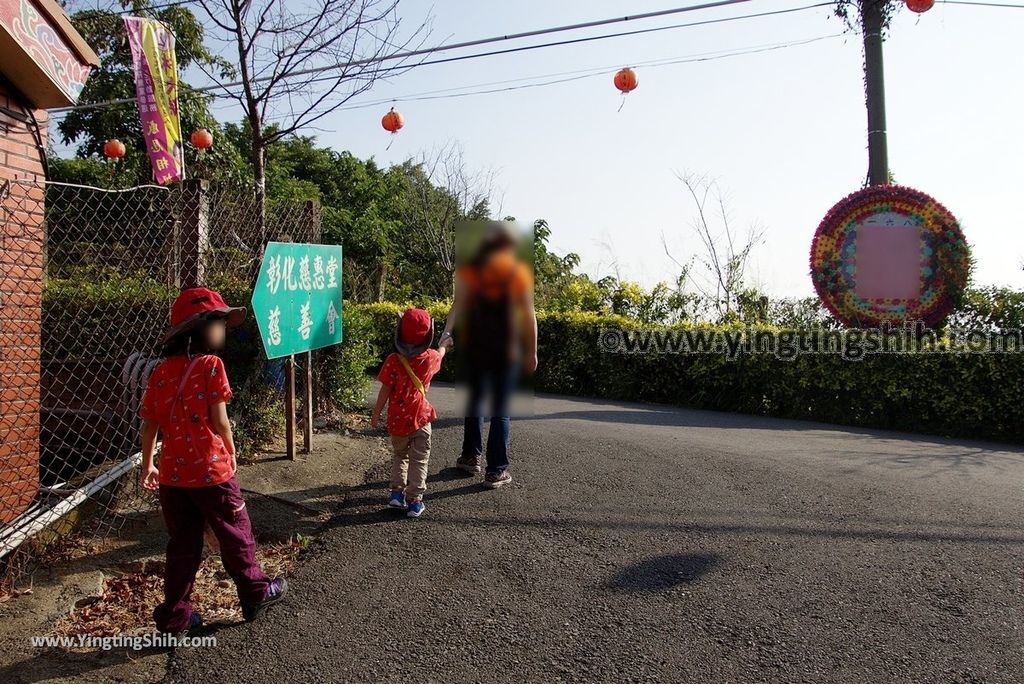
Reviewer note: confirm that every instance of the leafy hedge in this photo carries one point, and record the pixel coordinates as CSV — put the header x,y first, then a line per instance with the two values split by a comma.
x,y
968,395
341,371
954,395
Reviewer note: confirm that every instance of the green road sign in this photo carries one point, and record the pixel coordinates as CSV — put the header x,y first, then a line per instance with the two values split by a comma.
x,y
297,300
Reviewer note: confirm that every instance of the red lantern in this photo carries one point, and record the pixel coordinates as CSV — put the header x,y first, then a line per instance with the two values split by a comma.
x,y
920,6
202,139
625,80
392,121
113,149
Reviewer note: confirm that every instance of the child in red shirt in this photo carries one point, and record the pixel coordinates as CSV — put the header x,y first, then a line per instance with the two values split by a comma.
x,y
186,402
404,381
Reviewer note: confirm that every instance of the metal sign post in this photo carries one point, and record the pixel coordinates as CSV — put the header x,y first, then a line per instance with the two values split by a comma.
x,y
307,410
289,407
297,304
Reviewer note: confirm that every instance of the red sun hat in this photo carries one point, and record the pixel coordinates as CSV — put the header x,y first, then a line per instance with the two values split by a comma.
x,y
197,304
415,332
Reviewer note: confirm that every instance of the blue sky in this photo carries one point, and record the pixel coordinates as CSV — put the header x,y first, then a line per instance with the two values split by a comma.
x,y
782,131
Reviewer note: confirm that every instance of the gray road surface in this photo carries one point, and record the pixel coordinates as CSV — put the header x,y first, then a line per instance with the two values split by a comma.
x,y
645,543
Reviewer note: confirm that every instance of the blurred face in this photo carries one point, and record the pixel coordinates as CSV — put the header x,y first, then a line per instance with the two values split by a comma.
x,y
216,333
475,239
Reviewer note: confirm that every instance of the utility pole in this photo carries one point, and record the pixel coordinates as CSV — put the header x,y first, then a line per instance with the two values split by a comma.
x,y
872,13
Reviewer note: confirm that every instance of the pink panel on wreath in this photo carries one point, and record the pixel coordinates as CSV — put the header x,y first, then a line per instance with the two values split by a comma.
x,y
888,258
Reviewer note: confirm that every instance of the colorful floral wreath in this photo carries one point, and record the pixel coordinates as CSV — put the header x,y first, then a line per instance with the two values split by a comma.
x,y
944,259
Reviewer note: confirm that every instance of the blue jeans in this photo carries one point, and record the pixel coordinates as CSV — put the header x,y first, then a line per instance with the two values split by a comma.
x,y
498,381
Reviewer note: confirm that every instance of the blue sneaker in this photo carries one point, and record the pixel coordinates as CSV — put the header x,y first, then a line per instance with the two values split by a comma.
x,y
397,499
416,508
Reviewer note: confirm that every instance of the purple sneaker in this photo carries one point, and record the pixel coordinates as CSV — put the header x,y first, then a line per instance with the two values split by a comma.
x,y
276,591
195,621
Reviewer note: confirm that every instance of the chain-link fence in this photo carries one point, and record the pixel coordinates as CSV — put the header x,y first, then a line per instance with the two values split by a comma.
x,y
88,278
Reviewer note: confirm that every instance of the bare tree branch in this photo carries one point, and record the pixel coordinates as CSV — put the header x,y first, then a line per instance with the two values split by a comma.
x,y
726,257
284,48
464,193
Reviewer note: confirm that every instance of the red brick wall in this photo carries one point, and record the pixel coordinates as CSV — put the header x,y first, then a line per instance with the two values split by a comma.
x,y
21,288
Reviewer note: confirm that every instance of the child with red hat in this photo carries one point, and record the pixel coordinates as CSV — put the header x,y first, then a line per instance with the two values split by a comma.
x,y
404,381
186,403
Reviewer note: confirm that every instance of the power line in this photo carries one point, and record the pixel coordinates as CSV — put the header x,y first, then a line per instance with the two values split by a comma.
x,y
524,48
621,34
601,72
167,5
451,46
131,12
592,38
525,34
618,35
567,77
150,8
970,3
586,72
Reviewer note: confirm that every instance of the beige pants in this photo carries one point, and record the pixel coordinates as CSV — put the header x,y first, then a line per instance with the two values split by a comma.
x,y
409,464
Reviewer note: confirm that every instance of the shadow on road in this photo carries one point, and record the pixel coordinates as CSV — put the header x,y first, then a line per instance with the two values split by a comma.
x,y
59,664
934,455
661,573
603,411
451,421
365,503
449,474
968,535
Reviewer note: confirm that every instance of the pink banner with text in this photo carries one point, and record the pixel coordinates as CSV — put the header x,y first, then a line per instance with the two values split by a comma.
x,y
156,91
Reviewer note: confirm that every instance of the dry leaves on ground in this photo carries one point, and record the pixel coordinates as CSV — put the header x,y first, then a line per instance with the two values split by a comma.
x,y
127,603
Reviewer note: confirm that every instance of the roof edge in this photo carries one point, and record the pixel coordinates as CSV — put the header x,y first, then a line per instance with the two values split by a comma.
x,y
62,23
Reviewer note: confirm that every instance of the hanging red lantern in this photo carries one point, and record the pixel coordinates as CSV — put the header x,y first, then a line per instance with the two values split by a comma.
x,y
113,149
920,6
392,121
625,80
202,139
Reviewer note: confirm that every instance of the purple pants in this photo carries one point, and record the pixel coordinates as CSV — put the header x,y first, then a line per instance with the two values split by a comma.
x,y
186,511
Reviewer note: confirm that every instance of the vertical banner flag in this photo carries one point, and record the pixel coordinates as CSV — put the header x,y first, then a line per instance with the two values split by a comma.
x,y
156,91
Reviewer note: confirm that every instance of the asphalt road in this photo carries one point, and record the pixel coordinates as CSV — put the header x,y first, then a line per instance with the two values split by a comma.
x,y
644,543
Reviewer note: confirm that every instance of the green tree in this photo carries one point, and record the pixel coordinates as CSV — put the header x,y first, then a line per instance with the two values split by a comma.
x,y
630,299
360,208
552,273
580,293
